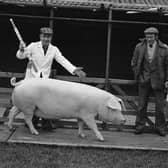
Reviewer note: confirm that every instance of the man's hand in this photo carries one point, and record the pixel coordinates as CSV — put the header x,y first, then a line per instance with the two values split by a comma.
x,y
78,71
166,84
22,46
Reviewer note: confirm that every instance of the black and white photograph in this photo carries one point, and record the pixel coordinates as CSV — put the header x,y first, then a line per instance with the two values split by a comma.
x,y
84,83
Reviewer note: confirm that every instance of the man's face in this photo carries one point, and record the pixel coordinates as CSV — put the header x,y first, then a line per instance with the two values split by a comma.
x,y
150,38
45,39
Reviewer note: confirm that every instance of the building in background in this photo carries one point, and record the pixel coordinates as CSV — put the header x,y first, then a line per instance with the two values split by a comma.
x,y
82,42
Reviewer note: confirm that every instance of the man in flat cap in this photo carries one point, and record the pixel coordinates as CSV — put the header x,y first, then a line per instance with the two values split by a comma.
x,y
150,67
41,55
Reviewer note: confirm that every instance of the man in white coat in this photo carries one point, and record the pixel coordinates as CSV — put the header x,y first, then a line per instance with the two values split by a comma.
x,y
41,55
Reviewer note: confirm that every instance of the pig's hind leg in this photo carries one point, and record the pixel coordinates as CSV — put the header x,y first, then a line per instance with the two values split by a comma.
x,y
14,111
28,114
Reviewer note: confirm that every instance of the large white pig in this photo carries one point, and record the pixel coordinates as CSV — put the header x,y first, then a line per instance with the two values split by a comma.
x,y
56,99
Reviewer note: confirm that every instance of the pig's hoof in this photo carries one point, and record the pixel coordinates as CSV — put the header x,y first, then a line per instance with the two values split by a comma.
x,y
34,132
12,129
82,135
101,139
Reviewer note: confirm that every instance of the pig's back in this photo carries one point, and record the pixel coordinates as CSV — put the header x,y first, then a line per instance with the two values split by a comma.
x,y
55,95
62,87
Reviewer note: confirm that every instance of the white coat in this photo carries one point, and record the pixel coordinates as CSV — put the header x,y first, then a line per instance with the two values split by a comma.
x,y
43,62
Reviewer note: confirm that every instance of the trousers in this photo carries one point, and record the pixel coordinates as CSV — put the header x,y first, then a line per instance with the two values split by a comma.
x,y
144,93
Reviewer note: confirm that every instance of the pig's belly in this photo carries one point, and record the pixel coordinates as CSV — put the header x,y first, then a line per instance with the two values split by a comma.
x,y
55,114
52,109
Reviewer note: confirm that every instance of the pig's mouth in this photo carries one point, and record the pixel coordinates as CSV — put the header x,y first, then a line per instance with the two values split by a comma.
x,y
119,122
120,126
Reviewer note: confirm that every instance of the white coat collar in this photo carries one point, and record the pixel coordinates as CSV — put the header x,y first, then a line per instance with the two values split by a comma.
x,y
41,48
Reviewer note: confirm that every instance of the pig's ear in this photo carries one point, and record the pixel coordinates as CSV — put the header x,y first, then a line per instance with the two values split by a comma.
x,y
113,103
122,104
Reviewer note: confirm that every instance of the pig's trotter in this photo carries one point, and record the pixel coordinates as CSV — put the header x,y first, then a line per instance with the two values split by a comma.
x,y
82,135
28,119
13,112
12,129
90,121
34,131
101,138
80,129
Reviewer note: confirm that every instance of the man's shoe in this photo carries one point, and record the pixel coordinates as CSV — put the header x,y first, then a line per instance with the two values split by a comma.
x,y
47,125
161,131
139,129
104,126
166,123
37,122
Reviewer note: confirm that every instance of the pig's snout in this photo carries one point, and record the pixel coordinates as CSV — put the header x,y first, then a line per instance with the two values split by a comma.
x,y
121,118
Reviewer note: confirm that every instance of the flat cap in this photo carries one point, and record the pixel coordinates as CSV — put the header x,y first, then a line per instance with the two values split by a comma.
x,y
46,30
151,30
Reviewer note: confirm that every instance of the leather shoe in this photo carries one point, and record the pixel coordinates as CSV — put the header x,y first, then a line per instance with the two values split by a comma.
x,y
161,131
47,125
139,129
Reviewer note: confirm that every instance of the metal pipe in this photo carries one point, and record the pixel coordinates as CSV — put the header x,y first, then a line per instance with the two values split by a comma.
x,y
44,3
108,50
80,19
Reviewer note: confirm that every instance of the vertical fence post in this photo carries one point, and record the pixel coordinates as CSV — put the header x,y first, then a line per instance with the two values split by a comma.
x,y
104,124
108,49
51,23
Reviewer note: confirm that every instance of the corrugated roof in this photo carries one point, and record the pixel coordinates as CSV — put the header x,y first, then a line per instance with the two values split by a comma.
x,y
140,4
23,2
116,4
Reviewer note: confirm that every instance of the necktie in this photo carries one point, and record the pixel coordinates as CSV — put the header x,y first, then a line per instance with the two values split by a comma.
x,y
41,76
150,45
45,49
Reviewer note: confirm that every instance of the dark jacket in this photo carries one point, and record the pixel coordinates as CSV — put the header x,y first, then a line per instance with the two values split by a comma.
x,y
160,75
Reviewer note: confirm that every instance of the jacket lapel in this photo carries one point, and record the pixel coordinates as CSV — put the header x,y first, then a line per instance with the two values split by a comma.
x,y
42,51
142,54
156,52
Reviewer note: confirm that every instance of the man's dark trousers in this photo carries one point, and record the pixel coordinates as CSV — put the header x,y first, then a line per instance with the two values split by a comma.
x,y
144,93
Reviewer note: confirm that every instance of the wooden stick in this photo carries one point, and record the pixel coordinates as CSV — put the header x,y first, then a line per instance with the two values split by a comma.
x,y
21,41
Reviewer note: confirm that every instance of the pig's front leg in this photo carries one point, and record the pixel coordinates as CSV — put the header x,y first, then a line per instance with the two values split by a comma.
x,y
91,123
80,128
